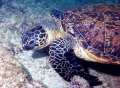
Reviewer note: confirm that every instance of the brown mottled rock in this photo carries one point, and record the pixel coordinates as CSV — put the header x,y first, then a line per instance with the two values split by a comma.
x,y
12,74
79,82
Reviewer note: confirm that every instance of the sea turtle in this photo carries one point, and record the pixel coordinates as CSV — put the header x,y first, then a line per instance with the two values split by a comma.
x,y
90,33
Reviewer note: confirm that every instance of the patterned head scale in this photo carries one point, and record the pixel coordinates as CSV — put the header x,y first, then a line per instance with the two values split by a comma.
x,y
33,38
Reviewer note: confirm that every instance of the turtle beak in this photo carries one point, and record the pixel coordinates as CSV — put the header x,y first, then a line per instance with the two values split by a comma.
x,y
27,48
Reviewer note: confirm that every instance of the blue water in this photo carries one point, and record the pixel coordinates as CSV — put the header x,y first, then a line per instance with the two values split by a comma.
x,y
39,10
58,4
65,4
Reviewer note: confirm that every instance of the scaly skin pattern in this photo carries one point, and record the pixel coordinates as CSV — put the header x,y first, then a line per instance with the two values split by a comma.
x,y
36,37
98,27
65,63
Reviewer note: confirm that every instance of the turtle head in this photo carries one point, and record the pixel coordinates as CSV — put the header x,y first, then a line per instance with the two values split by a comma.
x,y
34,38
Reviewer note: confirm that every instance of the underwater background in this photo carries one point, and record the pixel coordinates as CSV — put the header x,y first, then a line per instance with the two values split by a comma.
x,y
17,16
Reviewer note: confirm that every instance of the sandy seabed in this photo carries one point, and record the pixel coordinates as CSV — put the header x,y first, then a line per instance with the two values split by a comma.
x,y
18,69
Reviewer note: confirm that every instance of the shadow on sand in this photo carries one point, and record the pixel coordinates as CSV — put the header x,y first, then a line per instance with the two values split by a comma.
x,y
104,68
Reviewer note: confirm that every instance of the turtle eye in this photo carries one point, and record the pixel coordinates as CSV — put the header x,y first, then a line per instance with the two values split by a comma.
x,y
31,42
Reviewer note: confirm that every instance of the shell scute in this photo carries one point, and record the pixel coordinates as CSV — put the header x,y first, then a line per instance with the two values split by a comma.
x,y
97,27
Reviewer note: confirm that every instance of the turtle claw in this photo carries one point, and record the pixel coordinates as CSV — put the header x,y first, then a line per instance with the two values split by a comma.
x,y
92,80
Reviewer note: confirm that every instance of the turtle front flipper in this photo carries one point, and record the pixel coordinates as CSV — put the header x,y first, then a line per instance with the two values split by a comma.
x,y
66,64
